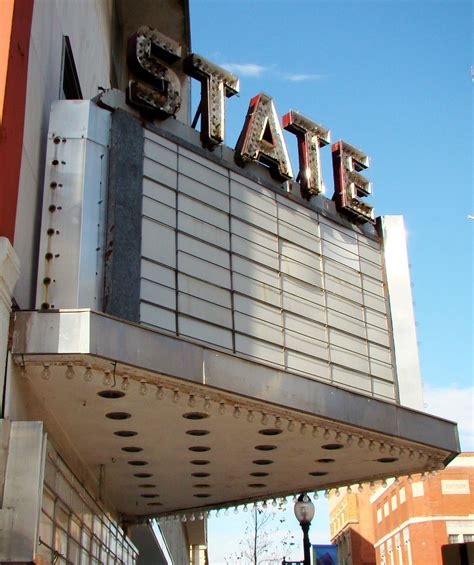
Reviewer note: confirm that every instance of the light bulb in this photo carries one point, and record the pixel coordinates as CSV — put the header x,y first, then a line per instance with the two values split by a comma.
x,y
191,400
372,485
88,374
360,488
175,396
125,383
372,446
349,490
250,416
107,378
207,404
350,440
69,372
326,435
143,388
315,431
291,425
337,492
221,408
45,373
278,422
303,429
159,392
315,495
361,442
326,493
264,419
237,412
384,483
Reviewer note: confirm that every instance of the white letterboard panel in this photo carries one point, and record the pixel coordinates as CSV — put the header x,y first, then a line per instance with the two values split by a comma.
x,y
231,263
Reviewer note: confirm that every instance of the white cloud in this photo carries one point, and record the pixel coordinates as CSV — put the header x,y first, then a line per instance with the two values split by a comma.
x,y
256,70
244,69
302,77
454,403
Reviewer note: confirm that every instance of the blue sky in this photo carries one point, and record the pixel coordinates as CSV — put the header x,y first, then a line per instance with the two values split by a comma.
x,y
393,78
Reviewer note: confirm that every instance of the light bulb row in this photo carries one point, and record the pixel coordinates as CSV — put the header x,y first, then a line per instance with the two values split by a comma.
x,y
265,418
225,511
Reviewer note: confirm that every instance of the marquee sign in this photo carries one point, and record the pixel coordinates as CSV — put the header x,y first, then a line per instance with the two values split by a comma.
x,y
151,56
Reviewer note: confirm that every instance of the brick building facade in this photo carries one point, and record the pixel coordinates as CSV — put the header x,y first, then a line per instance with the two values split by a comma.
x,y
410,519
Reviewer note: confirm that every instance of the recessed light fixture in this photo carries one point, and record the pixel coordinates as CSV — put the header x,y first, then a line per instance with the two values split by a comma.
x,y
197,432
195,415
270,432
111,394
387,459
125,433
118,415
332,446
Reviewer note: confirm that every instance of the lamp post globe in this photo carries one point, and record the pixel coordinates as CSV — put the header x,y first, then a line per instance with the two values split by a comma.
x,y
304,512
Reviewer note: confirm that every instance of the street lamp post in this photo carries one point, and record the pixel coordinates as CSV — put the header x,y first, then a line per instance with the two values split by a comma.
x,y
304,512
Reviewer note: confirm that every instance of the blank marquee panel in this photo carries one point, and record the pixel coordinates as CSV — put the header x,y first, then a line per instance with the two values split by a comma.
x,y
232,263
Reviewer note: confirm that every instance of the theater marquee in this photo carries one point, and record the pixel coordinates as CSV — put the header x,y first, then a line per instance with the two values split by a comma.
x,y
156,95
204,318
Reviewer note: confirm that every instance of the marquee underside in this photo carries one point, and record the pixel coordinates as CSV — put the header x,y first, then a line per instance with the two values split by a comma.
x,y
171,426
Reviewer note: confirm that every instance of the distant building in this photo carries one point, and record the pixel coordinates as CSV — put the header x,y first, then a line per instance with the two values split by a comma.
x,y
409,520
351,527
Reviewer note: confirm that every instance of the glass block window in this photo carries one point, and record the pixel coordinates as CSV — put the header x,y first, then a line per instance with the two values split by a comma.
x,y
74,528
